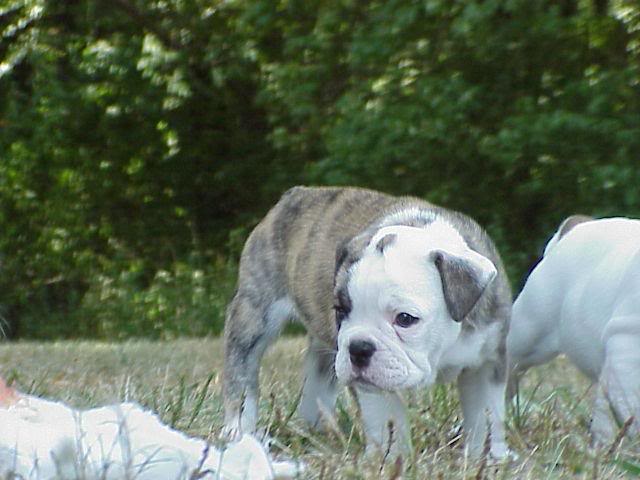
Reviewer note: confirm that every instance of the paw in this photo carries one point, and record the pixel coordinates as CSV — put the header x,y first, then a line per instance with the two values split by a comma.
x,y
287,469
501,454
388,453
498,453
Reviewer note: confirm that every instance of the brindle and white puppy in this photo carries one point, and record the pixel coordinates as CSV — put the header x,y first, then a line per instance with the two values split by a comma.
x,y
394,292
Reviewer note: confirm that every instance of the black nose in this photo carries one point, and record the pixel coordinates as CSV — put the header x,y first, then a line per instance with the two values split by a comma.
x,y
360,352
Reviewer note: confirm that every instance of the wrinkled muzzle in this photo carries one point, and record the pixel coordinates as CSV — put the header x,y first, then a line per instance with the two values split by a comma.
x,y
375,361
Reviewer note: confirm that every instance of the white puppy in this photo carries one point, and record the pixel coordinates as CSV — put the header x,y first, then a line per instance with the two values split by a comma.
x,y
583,300
42,439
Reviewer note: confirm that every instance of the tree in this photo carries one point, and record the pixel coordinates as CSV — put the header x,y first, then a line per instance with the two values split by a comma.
x,y
141,140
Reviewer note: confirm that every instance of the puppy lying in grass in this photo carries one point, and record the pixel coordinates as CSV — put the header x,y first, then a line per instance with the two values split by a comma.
x,y
42,439
583,300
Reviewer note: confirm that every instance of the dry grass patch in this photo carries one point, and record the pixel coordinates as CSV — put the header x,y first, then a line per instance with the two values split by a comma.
x,y
180,380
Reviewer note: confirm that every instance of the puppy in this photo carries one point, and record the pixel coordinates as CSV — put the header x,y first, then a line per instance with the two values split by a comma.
x,y
583,300
395,293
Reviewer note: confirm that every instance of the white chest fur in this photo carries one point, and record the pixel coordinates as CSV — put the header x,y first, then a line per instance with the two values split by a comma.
x,y
470,350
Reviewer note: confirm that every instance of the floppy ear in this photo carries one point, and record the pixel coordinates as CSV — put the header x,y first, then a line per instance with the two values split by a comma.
x,y
464,278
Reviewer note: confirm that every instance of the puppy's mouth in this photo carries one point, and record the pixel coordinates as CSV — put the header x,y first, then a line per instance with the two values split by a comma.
x,y
361,382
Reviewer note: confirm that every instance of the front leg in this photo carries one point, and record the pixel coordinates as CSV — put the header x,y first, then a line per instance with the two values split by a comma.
x,y
320,390
482,392
384,418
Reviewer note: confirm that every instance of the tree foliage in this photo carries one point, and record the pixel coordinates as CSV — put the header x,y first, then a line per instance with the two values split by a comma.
x,y
141,139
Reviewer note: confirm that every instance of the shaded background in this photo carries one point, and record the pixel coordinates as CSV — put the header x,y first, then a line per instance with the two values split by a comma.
x,y
140,141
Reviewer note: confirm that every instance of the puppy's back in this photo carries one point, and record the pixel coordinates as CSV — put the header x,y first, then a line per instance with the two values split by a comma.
x,y
292,252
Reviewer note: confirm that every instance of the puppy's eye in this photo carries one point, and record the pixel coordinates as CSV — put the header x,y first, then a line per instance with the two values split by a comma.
x,y
341,314
405,320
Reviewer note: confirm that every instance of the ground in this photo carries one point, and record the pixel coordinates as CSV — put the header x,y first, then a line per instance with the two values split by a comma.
x,y
180,380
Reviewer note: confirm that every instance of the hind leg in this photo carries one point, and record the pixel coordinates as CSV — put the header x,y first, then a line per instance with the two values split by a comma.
x,y
249,330
618,395
320,390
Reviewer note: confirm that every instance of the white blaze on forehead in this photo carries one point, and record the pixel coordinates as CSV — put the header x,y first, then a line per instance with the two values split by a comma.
x,y
399,277
438,234
412,244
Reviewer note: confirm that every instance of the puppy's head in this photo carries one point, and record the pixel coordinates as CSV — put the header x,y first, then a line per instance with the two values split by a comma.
x,y
400,298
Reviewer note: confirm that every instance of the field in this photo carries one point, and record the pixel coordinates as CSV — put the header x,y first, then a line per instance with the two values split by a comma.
x,y
181,381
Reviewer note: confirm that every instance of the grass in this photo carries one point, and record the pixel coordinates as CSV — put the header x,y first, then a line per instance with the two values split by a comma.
x,y
180,380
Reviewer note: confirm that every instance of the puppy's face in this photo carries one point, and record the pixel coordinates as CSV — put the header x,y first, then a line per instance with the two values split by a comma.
x,y
400,305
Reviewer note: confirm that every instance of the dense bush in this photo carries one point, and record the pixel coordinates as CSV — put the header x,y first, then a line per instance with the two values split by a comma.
x,y
140,139
185,300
